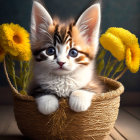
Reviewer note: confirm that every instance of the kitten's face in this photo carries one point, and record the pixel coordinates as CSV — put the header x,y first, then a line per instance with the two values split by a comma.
x,y
63,48
63,52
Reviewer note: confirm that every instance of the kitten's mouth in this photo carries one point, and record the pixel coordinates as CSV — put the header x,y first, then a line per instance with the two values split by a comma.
x,y
61,71
61,68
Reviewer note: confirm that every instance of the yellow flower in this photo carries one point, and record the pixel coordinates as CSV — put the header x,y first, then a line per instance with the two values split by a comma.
x,y
139,53
15,41
2,54
114,45
126,36
133,59
117,40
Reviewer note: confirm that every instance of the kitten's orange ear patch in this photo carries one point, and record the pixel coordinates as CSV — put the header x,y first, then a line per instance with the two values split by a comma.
x,y
76,35
80,43
51,28
78,39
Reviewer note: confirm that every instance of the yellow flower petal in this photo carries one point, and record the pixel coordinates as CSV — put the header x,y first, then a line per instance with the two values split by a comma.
x,y
15,41
24,56
139,53
133,59
114,45
126,36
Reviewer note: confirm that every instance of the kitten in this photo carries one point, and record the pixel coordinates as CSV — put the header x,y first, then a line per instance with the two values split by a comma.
x,y
64,59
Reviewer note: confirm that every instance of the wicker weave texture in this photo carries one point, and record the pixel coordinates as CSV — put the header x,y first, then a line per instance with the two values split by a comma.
x,y
65,124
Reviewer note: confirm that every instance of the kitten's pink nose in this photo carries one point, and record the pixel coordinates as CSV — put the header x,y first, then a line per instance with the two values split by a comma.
x,y
60,63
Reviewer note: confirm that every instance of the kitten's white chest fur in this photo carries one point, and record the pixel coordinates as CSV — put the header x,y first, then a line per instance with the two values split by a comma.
x,y
63,85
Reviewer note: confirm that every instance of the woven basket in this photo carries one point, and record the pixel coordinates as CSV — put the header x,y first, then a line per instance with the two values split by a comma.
x,y
65,124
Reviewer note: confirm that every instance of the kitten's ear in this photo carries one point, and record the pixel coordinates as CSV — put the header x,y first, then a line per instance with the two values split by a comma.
x,y
39,17
89,25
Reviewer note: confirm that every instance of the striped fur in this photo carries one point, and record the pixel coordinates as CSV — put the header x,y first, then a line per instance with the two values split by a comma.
x,y
68,35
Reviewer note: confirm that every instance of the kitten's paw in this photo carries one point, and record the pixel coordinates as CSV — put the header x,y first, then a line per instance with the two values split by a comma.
x,y
80,100
47,104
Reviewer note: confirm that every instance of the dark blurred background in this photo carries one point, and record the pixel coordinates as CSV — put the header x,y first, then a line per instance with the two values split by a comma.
x,y
117,13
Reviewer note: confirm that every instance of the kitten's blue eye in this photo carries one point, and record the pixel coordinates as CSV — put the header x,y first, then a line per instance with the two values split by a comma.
x,y
50,51
73,53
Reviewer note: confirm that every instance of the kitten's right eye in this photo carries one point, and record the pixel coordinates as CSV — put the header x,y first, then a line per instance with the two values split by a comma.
x,y
73,53
41,55
50,51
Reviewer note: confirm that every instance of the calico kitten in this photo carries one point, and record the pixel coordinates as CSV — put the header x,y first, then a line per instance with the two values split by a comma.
x,y
64,59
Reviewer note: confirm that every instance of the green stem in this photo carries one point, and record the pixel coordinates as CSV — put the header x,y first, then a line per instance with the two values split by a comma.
x,y
21,67
114,74
108,63
101,54
24,77
121,74
100,66
21,74
26,72
118,69
13,74
111,67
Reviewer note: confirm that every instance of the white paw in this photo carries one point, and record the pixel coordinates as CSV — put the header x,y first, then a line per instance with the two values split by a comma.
x,y
47,104
80,100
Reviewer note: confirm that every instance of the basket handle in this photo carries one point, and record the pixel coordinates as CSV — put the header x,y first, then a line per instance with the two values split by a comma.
x,y
8,79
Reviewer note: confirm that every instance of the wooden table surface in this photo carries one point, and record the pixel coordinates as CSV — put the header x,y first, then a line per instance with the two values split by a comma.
x,y
127,126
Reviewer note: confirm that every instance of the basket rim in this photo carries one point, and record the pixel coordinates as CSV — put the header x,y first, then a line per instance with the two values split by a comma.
x,y
99,97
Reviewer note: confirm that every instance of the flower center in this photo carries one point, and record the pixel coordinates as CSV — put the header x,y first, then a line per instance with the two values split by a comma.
x,y
17,39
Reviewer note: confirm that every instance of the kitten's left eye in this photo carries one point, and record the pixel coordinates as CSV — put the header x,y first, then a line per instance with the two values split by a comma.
x,y
50,51
73,53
